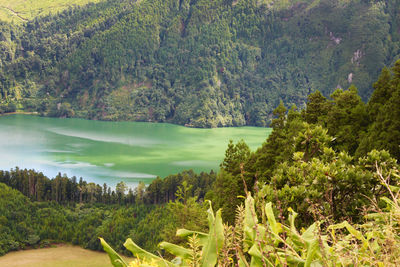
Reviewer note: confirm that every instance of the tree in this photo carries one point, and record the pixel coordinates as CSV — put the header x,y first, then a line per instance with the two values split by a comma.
x,y
140,192
383,90
224,193
279,146
120,188
347,119
383,107
235,155
91,190
321,185
317,108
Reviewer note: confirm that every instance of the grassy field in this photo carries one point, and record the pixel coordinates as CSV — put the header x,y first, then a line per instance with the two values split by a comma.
x,y
61,256
18,11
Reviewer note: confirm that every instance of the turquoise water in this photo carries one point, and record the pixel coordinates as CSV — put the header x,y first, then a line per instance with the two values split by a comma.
x,y
109,152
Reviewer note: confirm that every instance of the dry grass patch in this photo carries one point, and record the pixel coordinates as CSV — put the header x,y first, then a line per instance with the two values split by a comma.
x,y
61,256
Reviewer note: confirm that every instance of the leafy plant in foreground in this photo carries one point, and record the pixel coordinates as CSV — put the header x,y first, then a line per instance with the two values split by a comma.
x,y
266,242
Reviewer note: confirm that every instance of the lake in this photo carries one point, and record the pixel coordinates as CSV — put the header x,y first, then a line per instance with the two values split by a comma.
x,y
110,152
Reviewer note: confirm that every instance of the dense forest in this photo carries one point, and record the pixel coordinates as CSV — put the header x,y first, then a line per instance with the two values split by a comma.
x,y
199,63
329,166
323,190
62,209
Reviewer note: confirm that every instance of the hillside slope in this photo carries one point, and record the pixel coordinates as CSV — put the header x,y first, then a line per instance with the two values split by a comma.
x,y
201,63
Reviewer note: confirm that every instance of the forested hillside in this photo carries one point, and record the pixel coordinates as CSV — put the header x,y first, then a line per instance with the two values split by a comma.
x,y
63,209
28,224
201,63
334,162
312,195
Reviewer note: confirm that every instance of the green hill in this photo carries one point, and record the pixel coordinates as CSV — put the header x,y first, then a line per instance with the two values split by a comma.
x,y
202,63
18,11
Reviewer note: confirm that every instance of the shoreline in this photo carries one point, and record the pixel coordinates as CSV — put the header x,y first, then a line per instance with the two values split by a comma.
x,y
19,112
188,126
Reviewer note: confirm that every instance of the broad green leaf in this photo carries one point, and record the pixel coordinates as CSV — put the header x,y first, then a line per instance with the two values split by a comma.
x,y
256,262
115,258
203,237
257,259
176,250
292,260
309,235
215,240
255,252
292,218
242,260
293,235
312,253
275,227
249,223
143,254
357,234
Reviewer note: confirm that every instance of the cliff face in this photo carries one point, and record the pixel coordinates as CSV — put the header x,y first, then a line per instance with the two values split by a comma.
x,y
202,63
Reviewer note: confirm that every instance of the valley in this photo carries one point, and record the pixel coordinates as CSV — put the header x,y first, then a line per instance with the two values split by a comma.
x,y
200,133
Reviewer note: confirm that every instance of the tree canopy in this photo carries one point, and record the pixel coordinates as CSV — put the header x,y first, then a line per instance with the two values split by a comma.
x,y
197,63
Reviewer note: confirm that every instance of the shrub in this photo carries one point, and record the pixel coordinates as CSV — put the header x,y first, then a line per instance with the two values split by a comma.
x,y
264,241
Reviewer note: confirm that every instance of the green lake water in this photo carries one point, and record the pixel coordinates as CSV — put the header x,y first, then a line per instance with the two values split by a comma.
x,y
109,152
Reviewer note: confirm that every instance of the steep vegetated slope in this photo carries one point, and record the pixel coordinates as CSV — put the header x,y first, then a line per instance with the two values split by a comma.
x,y
201,63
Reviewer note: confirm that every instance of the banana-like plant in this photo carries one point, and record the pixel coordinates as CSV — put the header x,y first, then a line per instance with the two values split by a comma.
x,y
211,244
275,244
265,244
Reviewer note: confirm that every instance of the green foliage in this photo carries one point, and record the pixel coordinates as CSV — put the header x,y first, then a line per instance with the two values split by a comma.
x,y
211,244
326,162
90,210
317,159
321,186
62,189
197,63
271,243
162,222
383,132
31,224
229,183
225,193
164,190
15,219
317,108
235,155
346,119
61,110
